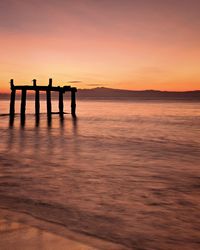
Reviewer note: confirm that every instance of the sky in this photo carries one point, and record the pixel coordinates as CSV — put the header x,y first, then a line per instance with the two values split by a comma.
x,y
124,44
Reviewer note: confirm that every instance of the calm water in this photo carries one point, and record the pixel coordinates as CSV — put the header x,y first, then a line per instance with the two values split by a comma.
x,y
125,172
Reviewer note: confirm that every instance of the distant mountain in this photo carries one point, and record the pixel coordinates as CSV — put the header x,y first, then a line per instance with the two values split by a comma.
x,y
120,94
4,96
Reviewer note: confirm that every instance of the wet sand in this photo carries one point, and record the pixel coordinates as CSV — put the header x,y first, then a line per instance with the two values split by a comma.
x,y
20,231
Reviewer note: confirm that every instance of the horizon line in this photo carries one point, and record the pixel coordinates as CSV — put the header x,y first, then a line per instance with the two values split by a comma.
x,y
134,90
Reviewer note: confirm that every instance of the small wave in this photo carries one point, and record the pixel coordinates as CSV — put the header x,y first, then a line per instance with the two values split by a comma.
x,y
28,219
84,223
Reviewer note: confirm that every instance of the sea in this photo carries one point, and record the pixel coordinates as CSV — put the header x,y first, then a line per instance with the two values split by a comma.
x,y
126,172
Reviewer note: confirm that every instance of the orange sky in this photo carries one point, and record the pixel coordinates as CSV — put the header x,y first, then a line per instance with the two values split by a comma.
x,y
130,44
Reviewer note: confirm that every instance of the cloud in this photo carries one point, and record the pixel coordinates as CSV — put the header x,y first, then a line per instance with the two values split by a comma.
x,y
96,85
75,81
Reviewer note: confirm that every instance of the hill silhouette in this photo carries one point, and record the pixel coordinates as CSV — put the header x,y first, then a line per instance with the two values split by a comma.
x,y
102,93
120,94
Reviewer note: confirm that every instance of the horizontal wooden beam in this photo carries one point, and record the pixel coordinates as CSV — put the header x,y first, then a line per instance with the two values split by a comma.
x,y
44,88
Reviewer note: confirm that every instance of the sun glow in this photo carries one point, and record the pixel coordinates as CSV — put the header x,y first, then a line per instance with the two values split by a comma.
x,y
133,46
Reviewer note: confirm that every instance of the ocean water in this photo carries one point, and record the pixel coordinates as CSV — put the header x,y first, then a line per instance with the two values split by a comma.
x,y
125,172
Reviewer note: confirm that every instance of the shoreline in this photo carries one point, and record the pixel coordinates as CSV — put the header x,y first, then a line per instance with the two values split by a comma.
x,y
22,231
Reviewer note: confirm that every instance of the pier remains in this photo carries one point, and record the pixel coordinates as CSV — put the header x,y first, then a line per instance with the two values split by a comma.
x,y
37,88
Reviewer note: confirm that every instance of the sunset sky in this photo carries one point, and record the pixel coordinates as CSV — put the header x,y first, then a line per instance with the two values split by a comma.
x,y
127,44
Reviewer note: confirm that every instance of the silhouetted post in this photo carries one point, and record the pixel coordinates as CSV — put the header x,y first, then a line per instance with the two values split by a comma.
x,y
23,102
50,82
73,103
37,99
61,102
34,82
37,102
48,93
12,98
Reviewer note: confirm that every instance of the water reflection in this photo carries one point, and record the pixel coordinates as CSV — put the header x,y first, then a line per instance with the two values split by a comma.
x,y
11,120
61,119
37,120
75,124
41,134
49,120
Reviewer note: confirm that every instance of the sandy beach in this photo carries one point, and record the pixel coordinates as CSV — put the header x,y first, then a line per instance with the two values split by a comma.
x,y
20,231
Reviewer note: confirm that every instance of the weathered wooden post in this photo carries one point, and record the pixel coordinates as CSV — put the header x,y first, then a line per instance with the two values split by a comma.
x,y
50,82
73,101
37,98
12,98
61,102
23,102
48,95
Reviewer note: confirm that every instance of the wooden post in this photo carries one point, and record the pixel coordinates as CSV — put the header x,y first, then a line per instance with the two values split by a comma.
x,y
50,82
12,98
61,102
73,103
34,82
48,96
11,84
23,102
37,102
37,98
